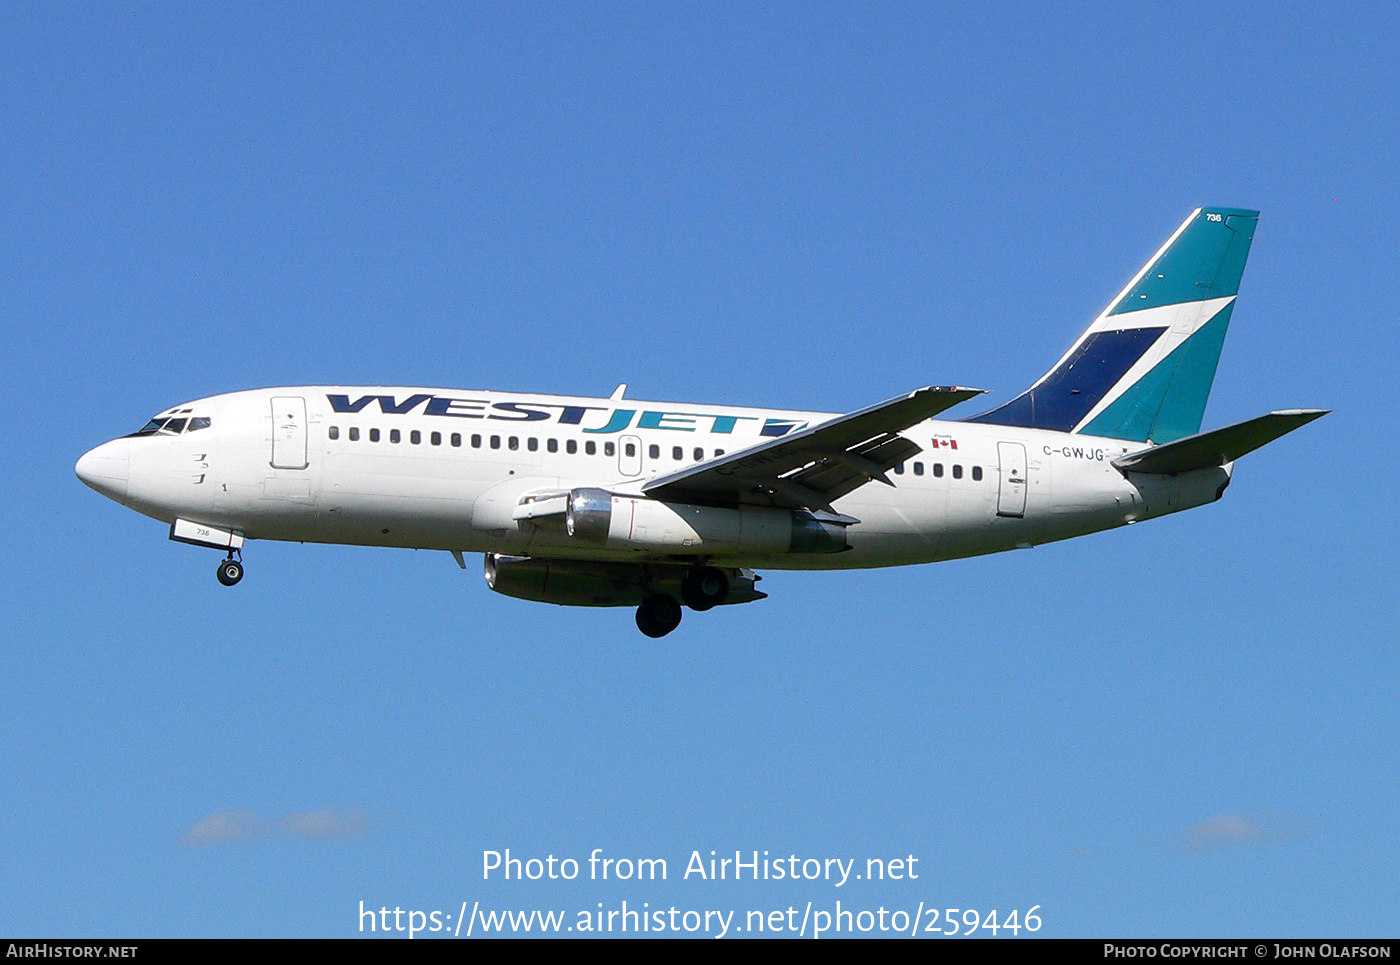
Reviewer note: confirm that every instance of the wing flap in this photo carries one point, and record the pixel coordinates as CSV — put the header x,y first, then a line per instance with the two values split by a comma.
x,y
1219,446
810,468
839,473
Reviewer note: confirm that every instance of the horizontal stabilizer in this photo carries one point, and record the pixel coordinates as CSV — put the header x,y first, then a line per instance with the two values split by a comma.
x,y
1219,446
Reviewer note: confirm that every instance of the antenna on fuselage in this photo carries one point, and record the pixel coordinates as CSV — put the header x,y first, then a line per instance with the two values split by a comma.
x,y
617,392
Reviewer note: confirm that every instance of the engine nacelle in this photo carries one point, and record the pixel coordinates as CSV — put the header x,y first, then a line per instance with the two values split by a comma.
x,y
589,515
590,583
600,518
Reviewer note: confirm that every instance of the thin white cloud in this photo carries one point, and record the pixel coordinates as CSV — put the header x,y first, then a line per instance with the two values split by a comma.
x,y
223,828
228,827
1234,830
325,825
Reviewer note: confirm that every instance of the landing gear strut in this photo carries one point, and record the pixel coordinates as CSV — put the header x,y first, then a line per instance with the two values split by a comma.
x,y
230,570
658,615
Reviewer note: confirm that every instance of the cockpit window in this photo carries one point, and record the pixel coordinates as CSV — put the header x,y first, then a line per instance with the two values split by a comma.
x,y
174,427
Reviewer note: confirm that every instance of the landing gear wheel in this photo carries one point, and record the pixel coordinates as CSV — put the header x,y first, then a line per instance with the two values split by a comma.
x,y
230,572
658,616
704,587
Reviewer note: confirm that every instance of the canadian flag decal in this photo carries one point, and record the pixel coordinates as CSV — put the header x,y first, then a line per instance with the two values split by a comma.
x,y
944,442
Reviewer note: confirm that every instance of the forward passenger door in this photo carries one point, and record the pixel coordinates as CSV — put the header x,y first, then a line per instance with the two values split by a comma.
x,y
289,432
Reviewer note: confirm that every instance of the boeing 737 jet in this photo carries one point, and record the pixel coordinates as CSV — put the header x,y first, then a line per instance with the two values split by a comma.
x,y
620,502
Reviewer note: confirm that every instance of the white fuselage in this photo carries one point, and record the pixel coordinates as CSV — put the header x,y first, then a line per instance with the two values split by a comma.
x,y
446,469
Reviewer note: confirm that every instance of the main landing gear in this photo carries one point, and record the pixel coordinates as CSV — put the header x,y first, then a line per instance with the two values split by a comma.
x,y
231,570
658,615
703,587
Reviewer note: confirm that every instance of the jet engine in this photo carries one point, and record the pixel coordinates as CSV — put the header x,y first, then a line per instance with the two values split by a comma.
x,y
600,518
591,583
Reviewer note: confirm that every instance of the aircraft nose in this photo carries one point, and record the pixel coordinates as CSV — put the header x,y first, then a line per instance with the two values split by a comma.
x,y
107,468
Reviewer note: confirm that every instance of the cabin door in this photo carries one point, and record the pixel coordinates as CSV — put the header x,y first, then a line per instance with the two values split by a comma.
x,y
1011,496
289,432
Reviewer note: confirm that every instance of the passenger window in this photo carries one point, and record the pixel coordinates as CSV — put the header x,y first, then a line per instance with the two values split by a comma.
x,y
198,422
435,438
609,449
938,469
630,449
476,441
495,442
571,446
899,469
677,453
354,433
374,435
699,454
394,435
333,432
532,444
415,437
977,473
718,453
590,447
513,443
918,469
957,472
654,451
457,439
552,445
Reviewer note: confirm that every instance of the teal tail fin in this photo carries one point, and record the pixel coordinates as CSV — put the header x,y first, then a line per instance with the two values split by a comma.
x,y
1144,368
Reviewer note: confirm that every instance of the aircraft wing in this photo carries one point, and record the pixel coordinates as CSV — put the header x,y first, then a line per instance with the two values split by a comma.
x,y
810,468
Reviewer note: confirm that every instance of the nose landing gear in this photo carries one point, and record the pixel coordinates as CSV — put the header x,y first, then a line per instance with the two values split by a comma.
x,y
230,570
203,534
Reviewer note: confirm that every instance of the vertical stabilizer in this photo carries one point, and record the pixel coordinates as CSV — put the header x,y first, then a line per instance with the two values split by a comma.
x,y
1144,368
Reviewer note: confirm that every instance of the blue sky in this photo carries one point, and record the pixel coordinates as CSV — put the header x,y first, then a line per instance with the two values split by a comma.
x,y
1182,728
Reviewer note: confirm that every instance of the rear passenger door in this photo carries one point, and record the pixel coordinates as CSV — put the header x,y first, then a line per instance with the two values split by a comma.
x,y
1011,495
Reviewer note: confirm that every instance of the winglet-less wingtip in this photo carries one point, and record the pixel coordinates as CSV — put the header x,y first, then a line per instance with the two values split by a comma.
x,y
964,390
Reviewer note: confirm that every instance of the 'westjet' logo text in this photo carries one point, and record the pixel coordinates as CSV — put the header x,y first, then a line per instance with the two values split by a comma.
x,y
602,419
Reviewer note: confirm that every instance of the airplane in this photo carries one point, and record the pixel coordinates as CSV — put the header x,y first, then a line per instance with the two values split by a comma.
x,y
654,505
